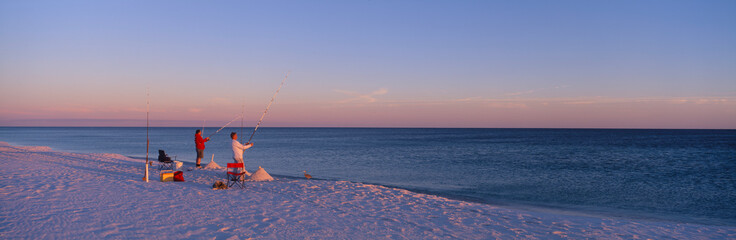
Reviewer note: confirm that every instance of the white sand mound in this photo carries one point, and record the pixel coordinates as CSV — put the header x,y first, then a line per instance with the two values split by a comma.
x,y
260,175
213,165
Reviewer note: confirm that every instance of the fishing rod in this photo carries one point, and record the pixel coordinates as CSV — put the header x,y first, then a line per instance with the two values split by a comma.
x,y
228,123
267,107
148,97
242,118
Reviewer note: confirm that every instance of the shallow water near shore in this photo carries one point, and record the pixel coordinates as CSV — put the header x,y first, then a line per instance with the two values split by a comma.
x,y
672,175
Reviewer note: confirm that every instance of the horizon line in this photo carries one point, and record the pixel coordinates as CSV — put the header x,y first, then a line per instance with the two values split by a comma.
x,y
405,127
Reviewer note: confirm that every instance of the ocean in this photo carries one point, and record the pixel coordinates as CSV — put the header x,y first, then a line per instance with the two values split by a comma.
x,y
664,175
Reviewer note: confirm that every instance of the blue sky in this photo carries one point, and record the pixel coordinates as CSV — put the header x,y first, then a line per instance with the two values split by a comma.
x,y
410,60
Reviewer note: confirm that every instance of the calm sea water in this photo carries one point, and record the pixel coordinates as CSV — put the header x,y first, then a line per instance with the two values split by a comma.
x,y
672,175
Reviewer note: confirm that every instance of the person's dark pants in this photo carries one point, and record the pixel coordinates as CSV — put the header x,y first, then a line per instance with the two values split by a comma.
x,y
200,155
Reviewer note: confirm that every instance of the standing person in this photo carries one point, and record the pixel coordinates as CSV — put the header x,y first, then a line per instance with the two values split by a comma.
x,y
199,141
239,148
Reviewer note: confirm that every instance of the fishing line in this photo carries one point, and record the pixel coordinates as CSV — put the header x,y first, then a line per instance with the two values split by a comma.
x,y
228,123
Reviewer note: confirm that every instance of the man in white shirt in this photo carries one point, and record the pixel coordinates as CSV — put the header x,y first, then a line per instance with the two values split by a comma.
x,y
238,148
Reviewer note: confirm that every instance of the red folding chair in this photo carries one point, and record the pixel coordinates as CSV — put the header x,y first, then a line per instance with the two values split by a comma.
x,y
235,177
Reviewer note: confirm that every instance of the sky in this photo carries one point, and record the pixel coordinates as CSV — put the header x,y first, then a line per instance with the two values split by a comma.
x,y
488,64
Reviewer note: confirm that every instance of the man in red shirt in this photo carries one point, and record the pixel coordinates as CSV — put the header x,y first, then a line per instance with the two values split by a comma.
x,y
199,141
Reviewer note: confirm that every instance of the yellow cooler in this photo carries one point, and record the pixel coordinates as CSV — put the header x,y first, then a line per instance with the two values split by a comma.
x,y
167,176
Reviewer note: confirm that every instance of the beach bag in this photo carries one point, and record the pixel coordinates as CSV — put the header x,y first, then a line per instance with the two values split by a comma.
x,y
178,164
178,176
219,185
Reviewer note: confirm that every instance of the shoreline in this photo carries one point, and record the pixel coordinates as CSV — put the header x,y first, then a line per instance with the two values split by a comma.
x,y
102,195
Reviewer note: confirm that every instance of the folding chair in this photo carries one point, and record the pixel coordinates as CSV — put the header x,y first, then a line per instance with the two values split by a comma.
x,y
235,177
164,161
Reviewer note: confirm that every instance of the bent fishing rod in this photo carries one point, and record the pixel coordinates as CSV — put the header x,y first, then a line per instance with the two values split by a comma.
x,y
242,118
268,106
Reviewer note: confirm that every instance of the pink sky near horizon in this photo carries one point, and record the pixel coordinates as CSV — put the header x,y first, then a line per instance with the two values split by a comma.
x,y
346,110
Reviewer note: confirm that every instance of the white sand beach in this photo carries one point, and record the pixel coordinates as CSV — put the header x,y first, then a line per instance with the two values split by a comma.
x,y
47,194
